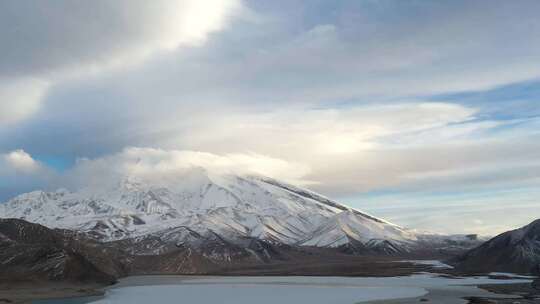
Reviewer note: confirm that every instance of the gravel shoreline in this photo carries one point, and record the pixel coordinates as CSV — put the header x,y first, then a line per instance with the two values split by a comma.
x,y
28,293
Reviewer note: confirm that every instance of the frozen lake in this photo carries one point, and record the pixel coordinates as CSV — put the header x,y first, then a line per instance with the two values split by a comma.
x,y
271,290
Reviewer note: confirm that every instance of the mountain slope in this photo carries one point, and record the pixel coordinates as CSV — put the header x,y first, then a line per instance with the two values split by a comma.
x,y
359,233
516,251
33,252
201,204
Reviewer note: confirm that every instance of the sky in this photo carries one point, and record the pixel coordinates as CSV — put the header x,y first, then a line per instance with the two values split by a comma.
x,y
426,113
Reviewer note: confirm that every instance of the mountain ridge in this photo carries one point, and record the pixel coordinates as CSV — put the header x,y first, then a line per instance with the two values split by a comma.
x,y
516,251
231,206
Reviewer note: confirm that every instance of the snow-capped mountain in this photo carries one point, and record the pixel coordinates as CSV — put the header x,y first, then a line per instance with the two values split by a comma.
x,y
348,228
516,251
202,205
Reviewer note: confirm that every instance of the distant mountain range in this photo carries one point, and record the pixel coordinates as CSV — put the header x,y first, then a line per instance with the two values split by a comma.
x,y
202,206
217,223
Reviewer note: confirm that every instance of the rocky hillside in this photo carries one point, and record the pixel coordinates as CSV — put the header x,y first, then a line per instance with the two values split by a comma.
x,y
516,251
33,252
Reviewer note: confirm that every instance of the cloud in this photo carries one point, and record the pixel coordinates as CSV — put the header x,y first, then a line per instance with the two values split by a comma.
x,y
292,56
20,160
325,132
467,165
334,95
339,152
20,99
100,32
168,167
283,132
50,42
362,51
19,173
484,212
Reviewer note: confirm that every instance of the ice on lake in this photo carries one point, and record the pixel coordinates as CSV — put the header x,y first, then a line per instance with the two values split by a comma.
x,y
283,290
260,294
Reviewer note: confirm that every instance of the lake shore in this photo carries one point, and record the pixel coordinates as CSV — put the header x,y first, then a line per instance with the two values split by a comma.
x,y
24,294
499,291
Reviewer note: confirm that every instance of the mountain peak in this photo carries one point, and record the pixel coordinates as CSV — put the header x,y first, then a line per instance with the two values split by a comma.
x,y
231,206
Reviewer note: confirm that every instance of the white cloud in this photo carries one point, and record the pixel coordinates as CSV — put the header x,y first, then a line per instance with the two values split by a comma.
x,y
306,133
466,165
19,173
336,151
20,99
48,43
23,173
21,161
159,167
44,38
349,150
300,94
483,212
